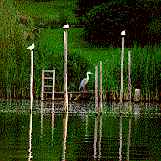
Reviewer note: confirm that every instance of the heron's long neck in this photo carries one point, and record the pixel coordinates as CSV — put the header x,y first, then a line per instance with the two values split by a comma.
x,y
87,76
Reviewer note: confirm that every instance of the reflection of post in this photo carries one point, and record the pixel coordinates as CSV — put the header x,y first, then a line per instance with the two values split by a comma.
x,y
86,125
65,124
52,120
42,113
95,138
30,136
100,137
129,136
52,123
120,148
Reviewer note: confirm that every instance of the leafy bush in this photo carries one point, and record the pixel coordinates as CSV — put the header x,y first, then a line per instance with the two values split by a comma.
x,y
141,20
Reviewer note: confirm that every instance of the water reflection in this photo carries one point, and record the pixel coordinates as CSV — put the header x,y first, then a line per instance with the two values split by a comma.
x,y
120,134
52,121
42,116
104,137
65,127
97,137
129,140
86,134
30,134
100,137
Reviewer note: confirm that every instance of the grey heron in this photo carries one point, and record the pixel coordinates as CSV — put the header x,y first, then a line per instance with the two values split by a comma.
x,y
84,82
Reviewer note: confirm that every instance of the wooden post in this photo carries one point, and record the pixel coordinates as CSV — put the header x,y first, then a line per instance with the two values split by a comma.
x,y
53,85
129,76
31,103
31,76
31,79
100,103
96,88
42,86
122,61
65,69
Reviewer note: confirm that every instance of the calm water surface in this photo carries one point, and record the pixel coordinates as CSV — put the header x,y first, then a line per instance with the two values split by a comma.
x,y
46,134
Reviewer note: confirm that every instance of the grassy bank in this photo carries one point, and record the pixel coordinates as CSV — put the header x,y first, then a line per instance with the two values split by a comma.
x,y
82,57
49,50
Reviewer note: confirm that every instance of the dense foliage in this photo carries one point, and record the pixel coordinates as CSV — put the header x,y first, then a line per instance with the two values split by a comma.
x,y
104,22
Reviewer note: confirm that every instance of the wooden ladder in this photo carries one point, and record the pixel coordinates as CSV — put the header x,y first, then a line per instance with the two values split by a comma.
x,y
48,84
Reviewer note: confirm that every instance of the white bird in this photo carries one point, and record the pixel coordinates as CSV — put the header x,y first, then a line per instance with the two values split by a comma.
x,y
66,26
84,82
123,33
31,47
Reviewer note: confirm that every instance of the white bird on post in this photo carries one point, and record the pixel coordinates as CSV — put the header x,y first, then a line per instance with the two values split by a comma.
x,y
31,47
31,77
122,62
123,33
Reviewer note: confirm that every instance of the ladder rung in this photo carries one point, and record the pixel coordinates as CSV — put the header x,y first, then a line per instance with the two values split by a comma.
x,y
48,92
48,71
48,77
48,86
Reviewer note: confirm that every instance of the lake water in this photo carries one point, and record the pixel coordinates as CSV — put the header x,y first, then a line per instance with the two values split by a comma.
x,y
47,134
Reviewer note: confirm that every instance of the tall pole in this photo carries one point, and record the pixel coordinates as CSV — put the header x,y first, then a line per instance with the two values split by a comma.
x,y
66,27
100,86
122,61
96,88
129,76
31,103
31,76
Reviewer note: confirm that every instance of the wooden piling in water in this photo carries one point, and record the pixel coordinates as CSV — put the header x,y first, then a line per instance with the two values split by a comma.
x,y
42,86
122,63
31,78
96,88
53,85
100,103
65,69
